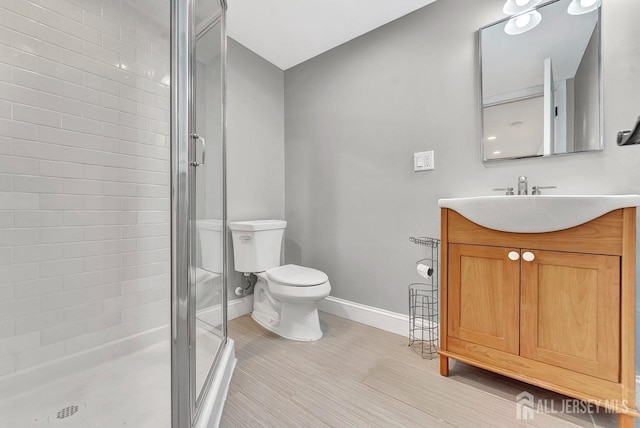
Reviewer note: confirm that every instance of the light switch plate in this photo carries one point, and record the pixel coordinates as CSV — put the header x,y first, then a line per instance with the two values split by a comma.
x,y
423,161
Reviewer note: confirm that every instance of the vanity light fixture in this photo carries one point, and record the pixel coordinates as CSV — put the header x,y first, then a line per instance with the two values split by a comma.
x,y
497,152
523,23
491,138
513,7
580,7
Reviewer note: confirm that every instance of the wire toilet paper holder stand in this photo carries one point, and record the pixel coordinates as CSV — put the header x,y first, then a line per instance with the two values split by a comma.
x,y
423,301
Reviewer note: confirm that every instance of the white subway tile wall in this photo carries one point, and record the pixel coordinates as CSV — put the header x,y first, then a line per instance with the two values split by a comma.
x,y
84,176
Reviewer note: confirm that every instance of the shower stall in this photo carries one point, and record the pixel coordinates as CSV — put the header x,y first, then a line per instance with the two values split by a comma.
x,y
113,213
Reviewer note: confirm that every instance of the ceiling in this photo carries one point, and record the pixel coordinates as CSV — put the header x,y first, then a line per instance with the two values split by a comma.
x,y
511,63
289,32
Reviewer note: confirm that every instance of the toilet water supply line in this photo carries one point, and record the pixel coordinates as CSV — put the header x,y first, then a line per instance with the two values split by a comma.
x,y
243,290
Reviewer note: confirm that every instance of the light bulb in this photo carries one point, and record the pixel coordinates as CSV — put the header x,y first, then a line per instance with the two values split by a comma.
x,y
523,23
523,20
579,7
514,7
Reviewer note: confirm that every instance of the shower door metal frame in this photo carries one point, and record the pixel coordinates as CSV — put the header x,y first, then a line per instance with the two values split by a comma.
x,y
184,402
196,33
181,402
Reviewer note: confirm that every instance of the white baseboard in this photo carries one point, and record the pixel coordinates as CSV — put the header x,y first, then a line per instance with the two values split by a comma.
x,y
235,309
239,307
374,317
213,402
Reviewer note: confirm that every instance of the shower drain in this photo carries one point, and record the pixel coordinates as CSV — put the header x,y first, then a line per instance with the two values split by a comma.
x,y
66,412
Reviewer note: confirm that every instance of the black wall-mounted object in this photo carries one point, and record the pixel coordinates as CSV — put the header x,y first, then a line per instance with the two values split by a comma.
x,y
628,138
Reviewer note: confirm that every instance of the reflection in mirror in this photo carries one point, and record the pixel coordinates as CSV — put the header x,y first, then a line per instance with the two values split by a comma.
x,y
541,83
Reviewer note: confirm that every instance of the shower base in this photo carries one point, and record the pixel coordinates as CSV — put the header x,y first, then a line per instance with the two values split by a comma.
x,y
131,390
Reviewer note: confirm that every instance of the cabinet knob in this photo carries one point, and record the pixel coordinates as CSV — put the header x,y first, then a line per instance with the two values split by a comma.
x,y
528,256
514,255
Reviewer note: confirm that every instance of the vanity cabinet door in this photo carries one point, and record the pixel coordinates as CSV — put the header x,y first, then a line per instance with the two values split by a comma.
x,y
483,295
570,311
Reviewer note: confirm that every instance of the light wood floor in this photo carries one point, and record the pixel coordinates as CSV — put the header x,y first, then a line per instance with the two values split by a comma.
x,y
364,377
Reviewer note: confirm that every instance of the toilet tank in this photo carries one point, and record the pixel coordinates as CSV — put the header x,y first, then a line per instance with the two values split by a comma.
x,y
210,234
257,244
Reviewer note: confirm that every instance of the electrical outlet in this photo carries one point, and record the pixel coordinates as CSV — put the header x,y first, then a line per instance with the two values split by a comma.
x,y
423,161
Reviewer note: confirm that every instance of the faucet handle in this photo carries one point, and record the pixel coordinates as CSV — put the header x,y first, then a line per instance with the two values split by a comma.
x,y
536,189
508,190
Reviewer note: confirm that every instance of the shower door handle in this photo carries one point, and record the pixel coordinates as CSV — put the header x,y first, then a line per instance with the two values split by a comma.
x,y
196,137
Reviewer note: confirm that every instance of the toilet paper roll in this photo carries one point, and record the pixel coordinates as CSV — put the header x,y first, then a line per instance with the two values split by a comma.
x,y
424,270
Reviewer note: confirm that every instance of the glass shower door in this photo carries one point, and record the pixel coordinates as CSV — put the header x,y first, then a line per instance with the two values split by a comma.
x,y
199,336
208,288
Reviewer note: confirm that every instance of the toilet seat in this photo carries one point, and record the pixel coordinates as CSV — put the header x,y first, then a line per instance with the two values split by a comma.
x,y
296,276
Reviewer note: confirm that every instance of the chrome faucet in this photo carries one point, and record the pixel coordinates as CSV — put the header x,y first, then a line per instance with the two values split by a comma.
x,y
522,185
523,188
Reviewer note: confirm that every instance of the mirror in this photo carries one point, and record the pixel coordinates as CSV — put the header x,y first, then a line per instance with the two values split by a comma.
x,y
541,82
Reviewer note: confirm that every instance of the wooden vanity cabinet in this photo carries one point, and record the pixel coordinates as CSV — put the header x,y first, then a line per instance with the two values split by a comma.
x,y
484,296
554,309
570,312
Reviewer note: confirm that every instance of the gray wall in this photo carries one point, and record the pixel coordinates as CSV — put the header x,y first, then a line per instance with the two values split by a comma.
x,y
356,114
255,141
586,92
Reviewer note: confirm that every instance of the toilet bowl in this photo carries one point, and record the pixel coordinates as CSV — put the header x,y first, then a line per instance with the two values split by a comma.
x,y
285,297
286,300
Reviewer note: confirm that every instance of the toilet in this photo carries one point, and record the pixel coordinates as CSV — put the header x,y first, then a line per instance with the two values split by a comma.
x,y
285,297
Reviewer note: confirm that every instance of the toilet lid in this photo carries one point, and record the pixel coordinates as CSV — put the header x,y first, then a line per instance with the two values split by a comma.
x,y
297,276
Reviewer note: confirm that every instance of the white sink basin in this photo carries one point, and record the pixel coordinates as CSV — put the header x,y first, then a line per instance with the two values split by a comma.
x,y
537,214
